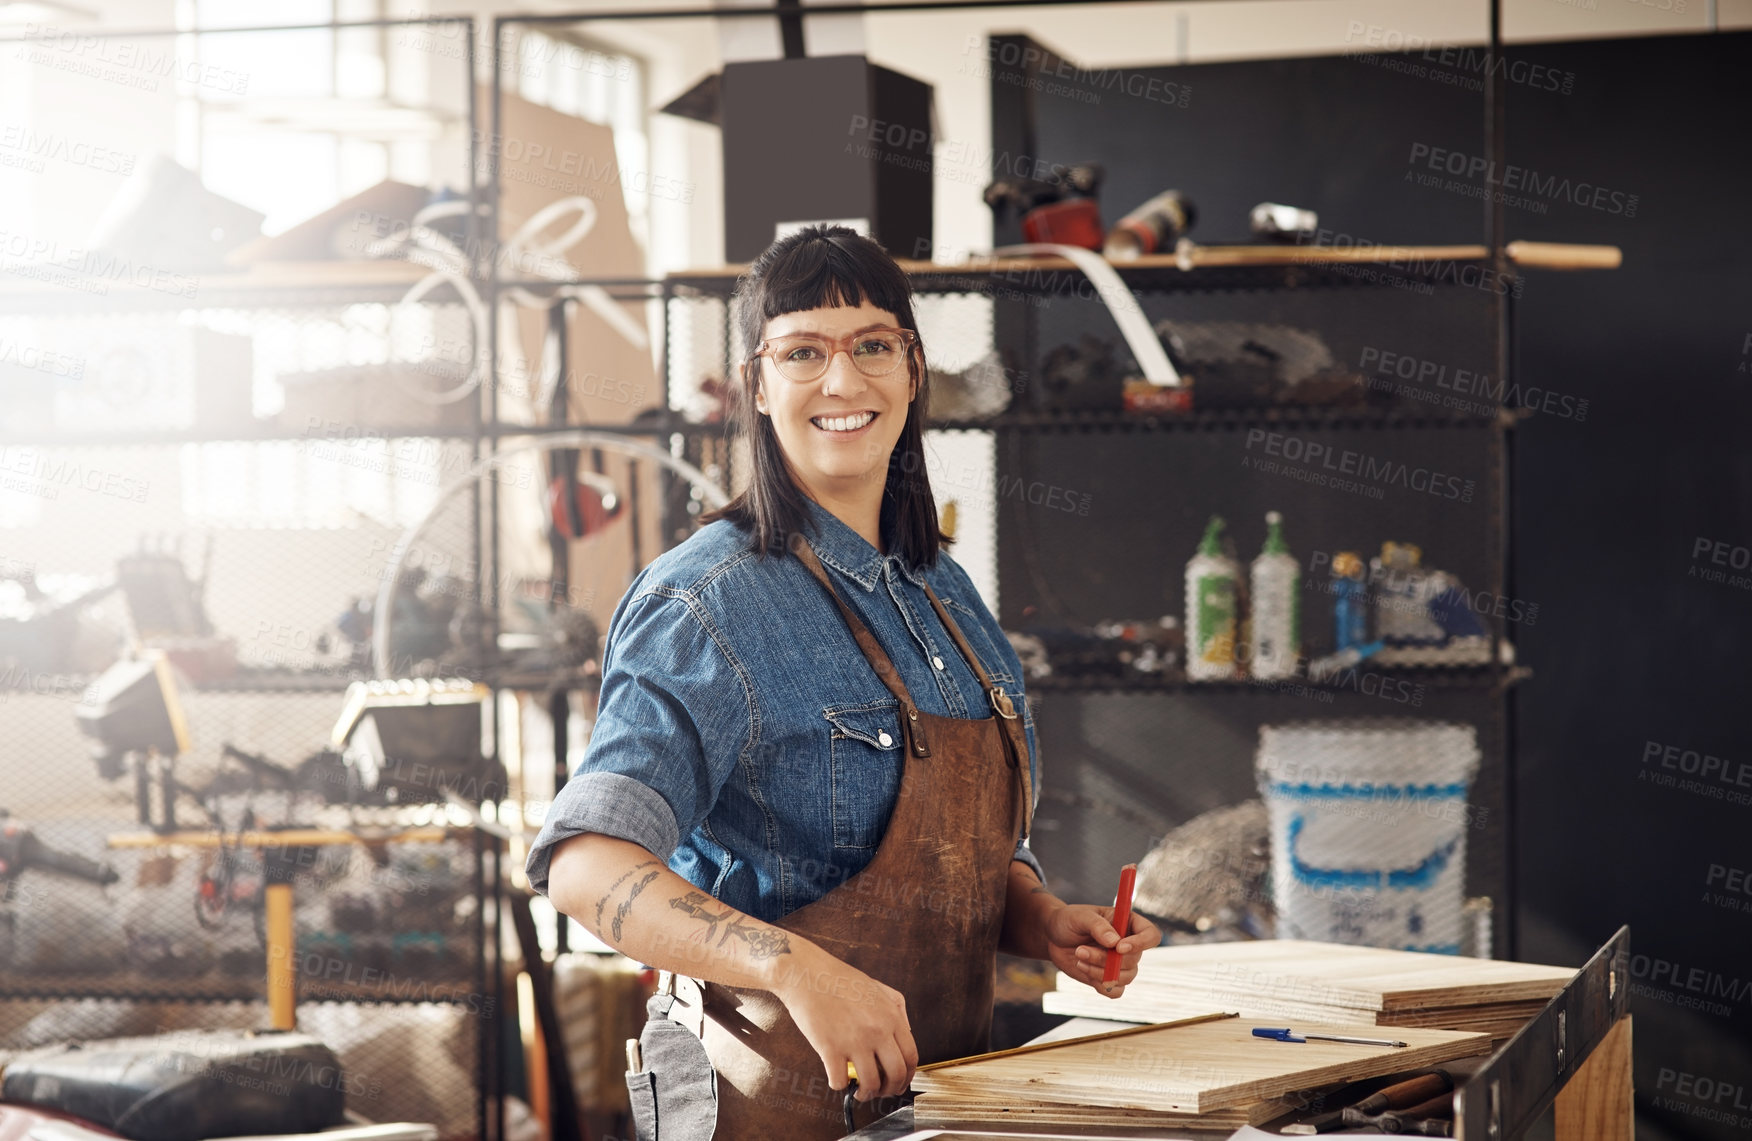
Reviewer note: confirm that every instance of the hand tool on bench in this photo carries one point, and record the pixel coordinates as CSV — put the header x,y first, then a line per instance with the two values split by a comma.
x,y
1418,1091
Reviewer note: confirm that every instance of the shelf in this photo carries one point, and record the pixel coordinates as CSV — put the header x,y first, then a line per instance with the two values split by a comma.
x,y
244,681
1217,268
1486,679
212,987
1219,419
100,284
270,432
1213,420
290,682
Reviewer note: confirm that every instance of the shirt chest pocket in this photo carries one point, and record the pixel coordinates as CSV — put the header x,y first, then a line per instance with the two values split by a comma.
x,y
867,758
996,664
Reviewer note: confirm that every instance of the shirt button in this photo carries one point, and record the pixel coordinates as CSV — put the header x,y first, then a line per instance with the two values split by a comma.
x,y
885,739
936,661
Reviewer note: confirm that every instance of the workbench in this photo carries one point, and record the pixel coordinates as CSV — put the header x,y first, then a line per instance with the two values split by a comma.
x,y
1573,1058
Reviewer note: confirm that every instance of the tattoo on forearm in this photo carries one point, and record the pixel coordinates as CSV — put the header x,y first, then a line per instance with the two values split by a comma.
x,y
620,913
603,902
690,903
763,941
1040,889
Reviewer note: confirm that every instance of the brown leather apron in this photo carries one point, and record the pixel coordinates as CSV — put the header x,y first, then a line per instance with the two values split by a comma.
x,y
924,917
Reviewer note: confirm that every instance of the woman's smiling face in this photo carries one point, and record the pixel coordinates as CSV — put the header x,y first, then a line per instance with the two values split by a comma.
x,y
838,430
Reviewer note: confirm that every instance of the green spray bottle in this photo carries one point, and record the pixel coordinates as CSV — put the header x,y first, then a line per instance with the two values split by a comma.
x,y
1212,608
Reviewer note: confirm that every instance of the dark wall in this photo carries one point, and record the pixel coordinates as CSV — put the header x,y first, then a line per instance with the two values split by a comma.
x,y
1634,648
1630,481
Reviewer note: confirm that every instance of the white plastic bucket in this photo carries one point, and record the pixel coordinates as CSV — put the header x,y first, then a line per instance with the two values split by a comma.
x,y
1368,829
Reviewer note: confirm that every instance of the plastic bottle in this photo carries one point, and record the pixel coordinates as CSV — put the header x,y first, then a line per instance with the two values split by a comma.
x,y
1403,589
1350,607
1212,589
1277,603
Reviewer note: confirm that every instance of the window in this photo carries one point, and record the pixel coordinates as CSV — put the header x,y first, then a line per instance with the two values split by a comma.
x,y
600,84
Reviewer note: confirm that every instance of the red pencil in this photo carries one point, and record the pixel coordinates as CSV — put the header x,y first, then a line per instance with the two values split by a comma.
x,y
1128,878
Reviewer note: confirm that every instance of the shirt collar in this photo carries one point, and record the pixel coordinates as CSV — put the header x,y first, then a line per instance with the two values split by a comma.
x,y
848,552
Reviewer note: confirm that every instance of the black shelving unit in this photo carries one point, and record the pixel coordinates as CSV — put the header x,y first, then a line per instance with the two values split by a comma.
x,y
1477,694
64,973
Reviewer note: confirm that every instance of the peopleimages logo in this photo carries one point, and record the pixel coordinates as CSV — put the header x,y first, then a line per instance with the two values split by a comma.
x,y
1369,470
1464,67
1040,69
1421,374
37,147
1695,771
1550,187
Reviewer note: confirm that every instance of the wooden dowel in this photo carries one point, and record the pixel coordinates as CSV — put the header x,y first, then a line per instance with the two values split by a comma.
x,y
1564,255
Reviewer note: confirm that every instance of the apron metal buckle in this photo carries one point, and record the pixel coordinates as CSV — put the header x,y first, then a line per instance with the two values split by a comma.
x,y
1001,702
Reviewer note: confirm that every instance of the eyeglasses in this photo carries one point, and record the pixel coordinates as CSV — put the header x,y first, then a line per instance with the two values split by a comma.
x,y
804,357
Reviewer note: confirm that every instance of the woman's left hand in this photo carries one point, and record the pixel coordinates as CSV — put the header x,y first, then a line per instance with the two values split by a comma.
x,y
1079,935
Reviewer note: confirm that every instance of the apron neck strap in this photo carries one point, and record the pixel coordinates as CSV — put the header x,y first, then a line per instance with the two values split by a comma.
x,y
1000,701
1015,737
917,743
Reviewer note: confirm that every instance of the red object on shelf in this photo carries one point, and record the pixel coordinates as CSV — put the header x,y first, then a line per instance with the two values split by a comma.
x,y
1070,222
596,508
1141,398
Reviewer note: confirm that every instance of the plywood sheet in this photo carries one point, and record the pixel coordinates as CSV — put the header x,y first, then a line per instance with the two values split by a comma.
x,y
1191,1069
1144,1004
947,1111
1338,976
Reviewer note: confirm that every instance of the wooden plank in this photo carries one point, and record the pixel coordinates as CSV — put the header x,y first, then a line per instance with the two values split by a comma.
x,y
1595,1105
1193,1069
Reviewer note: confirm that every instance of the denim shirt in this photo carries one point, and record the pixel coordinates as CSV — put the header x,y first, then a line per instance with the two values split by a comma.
x,y
742,736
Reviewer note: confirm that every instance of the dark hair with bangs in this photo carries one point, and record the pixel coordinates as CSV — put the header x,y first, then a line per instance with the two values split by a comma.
x,y
828,267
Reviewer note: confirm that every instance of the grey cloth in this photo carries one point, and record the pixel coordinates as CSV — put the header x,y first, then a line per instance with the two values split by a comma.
x,y
675,1097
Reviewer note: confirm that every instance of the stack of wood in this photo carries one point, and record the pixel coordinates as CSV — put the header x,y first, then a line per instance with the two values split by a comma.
x,y
1207,1073
1290,982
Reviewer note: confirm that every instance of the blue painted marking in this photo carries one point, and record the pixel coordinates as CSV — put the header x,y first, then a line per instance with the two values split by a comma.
x,y
1365,790
1398,879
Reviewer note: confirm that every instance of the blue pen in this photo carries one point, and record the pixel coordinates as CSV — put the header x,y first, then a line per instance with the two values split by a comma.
x,y
1285,1036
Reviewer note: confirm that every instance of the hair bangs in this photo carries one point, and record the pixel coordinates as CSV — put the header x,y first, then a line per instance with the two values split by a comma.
x,y
829,275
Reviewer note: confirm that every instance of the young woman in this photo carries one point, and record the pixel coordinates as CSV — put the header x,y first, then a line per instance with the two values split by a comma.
x,y
812,771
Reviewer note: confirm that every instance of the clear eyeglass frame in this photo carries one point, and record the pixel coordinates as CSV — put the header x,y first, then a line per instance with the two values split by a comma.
x,y
899,344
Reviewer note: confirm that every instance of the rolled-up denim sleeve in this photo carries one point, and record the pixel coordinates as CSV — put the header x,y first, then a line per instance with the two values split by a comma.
x,y
648,775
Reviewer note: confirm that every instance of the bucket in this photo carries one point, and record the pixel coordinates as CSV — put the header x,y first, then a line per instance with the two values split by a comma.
x,y
1368,823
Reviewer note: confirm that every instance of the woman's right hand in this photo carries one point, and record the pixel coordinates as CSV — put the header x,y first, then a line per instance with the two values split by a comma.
x,y
850,1017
